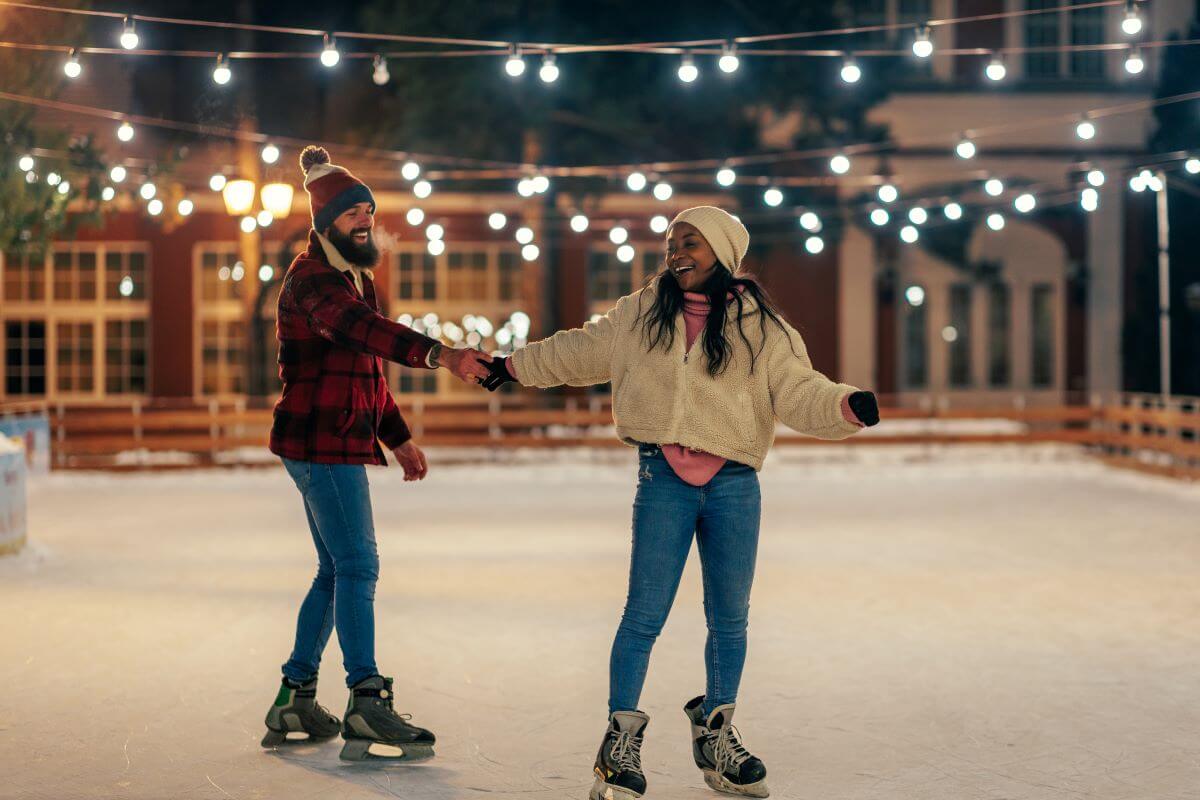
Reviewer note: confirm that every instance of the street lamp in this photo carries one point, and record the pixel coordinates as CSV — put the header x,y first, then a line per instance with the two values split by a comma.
x,y
239,197
277,199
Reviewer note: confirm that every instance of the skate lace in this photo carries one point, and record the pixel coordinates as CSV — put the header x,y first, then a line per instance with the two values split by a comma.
x,y
727,750
626,751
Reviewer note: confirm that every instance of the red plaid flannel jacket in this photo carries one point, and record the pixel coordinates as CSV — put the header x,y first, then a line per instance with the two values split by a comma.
x,y
332,341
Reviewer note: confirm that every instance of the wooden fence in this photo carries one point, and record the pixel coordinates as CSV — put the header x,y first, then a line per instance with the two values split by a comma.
x,y
1130,430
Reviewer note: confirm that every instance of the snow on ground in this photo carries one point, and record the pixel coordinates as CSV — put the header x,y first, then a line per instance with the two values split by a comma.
x,y
927,623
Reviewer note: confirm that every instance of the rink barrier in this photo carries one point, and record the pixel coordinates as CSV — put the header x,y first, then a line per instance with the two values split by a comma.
x,y
1130,430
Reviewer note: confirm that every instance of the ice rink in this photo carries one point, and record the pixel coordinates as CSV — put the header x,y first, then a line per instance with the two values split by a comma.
x,y
992,624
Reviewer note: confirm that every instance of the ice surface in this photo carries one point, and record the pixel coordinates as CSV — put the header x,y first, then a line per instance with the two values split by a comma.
x,y
927,622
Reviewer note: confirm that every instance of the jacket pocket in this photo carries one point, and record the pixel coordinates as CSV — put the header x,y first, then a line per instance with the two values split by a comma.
x,y
350,415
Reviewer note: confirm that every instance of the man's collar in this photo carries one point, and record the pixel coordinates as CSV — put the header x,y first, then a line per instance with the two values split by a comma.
x,y
336,259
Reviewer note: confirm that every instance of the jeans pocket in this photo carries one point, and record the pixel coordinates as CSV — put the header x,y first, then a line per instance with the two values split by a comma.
x,y
300,471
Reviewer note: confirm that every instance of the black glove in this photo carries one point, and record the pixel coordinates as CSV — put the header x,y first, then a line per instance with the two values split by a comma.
x,y
500,375
865,407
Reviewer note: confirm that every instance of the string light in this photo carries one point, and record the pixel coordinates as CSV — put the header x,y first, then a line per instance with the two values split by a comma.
x,y
1025,202
918,215
952,211
129,37
915,296
1131,25
579,223
415,216
772,197
922,46
688,71
221,73
410,170
422,189
1085,129
996,71
880,217
31,177
1137,183
1089,199
965,148
663,191
26,163
888,193
618,235
155,207
1095,177
530,252
435,247
249,224
814,244
549,74
270,154
994,187
379,71
64,187
625,253
185,207
726,176
434,232
148,190
636,181
659,223
72,67
729,62
117,174
995,221
329,53
810,222
108,193
125,132
216,182
525,187
851,72
264,219
540,183
265,273
909,234
840,164
514,66
1192,165
53,179
497,221
1133,62
524,235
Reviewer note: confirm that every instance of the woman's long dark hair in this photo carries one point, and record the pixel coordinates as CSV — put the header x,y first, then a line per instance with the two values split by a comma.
x,y
659,321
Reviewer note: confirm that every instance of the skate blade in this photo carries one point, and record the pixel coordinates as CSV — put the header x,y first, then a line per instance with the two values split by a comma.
x,y
367,750
291,738
721,784
606,791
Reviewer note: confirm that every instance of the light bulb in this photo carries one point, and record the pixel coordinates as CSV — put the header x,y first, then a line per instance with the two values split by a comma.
x,y
185,207
530,252
659,223
117,174
549,74
266,272
636,181
579,223
125,132
1089,198
1137,183
264,219
129,37
329,53
772,197
221,73
618,235
525,187
810,222
148,190
53,179
1085,129
1095,177
994,187
840,164
435,247
953,211
688,71
524,235
270,154
1192,165
814,244
1025,202
909,234
249,224
914,295
108,193
965,148
64,187
996,71
1131,25
422,189
887,193
497,221
540,184
514,65
155,207
880,217
414,216
379,71
625,253
995,221
26,163
918,215
922,46
1134,63
726,176
851,72
729,60
72,67
435,232
663,191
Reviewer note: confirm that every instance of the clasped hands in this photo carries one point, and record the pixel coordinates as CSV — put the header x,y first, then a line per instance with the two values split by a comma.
x,y
476,366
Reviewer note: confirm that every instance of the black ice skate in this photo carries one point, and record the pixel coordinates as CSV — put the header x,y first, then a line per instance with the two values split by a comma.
x,y
296,716
372,722
727,765
619,763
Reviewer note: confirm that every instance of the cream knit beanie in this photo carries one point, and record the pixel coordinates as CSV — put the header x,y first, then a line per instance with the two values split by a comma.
x,y
725,233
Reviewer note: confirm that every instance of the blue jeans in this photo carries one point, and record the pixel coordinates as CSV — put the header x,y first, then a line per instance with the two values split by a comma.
x,y
337,501
723,515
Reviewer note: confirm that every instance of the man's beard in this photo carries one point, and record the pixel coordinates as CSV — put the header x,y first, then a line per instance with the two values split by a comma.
x,y
360,255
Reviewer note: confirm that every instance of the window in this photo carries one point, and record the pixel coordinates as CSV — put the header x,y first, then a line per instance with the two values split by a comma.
x,y
24,276
222,276
416,276
1087,27
74,274
222,347
1042,314
866,13
25,357
125,345
999,335
916,353
124,275
510,275
1042,30
467,275
609,278
416,381
74,352
958,336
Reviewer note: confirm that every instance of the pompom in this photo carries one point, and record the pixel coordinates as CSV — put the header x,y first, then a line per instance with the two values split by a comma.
x,y
313,155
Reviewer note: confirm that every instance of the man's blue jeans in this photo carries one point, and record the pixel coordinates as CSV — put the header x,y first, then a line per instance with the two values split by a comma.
x,y
723,516
337,501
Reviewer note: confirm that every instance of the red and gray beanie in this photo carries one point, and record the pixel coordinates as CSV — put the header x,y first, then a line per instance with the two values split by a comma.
x,y
331,189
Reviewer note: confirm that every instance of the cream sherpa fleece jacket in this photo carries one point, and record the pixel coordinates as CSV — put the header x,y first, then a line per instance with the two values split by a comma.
x,y
667,396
